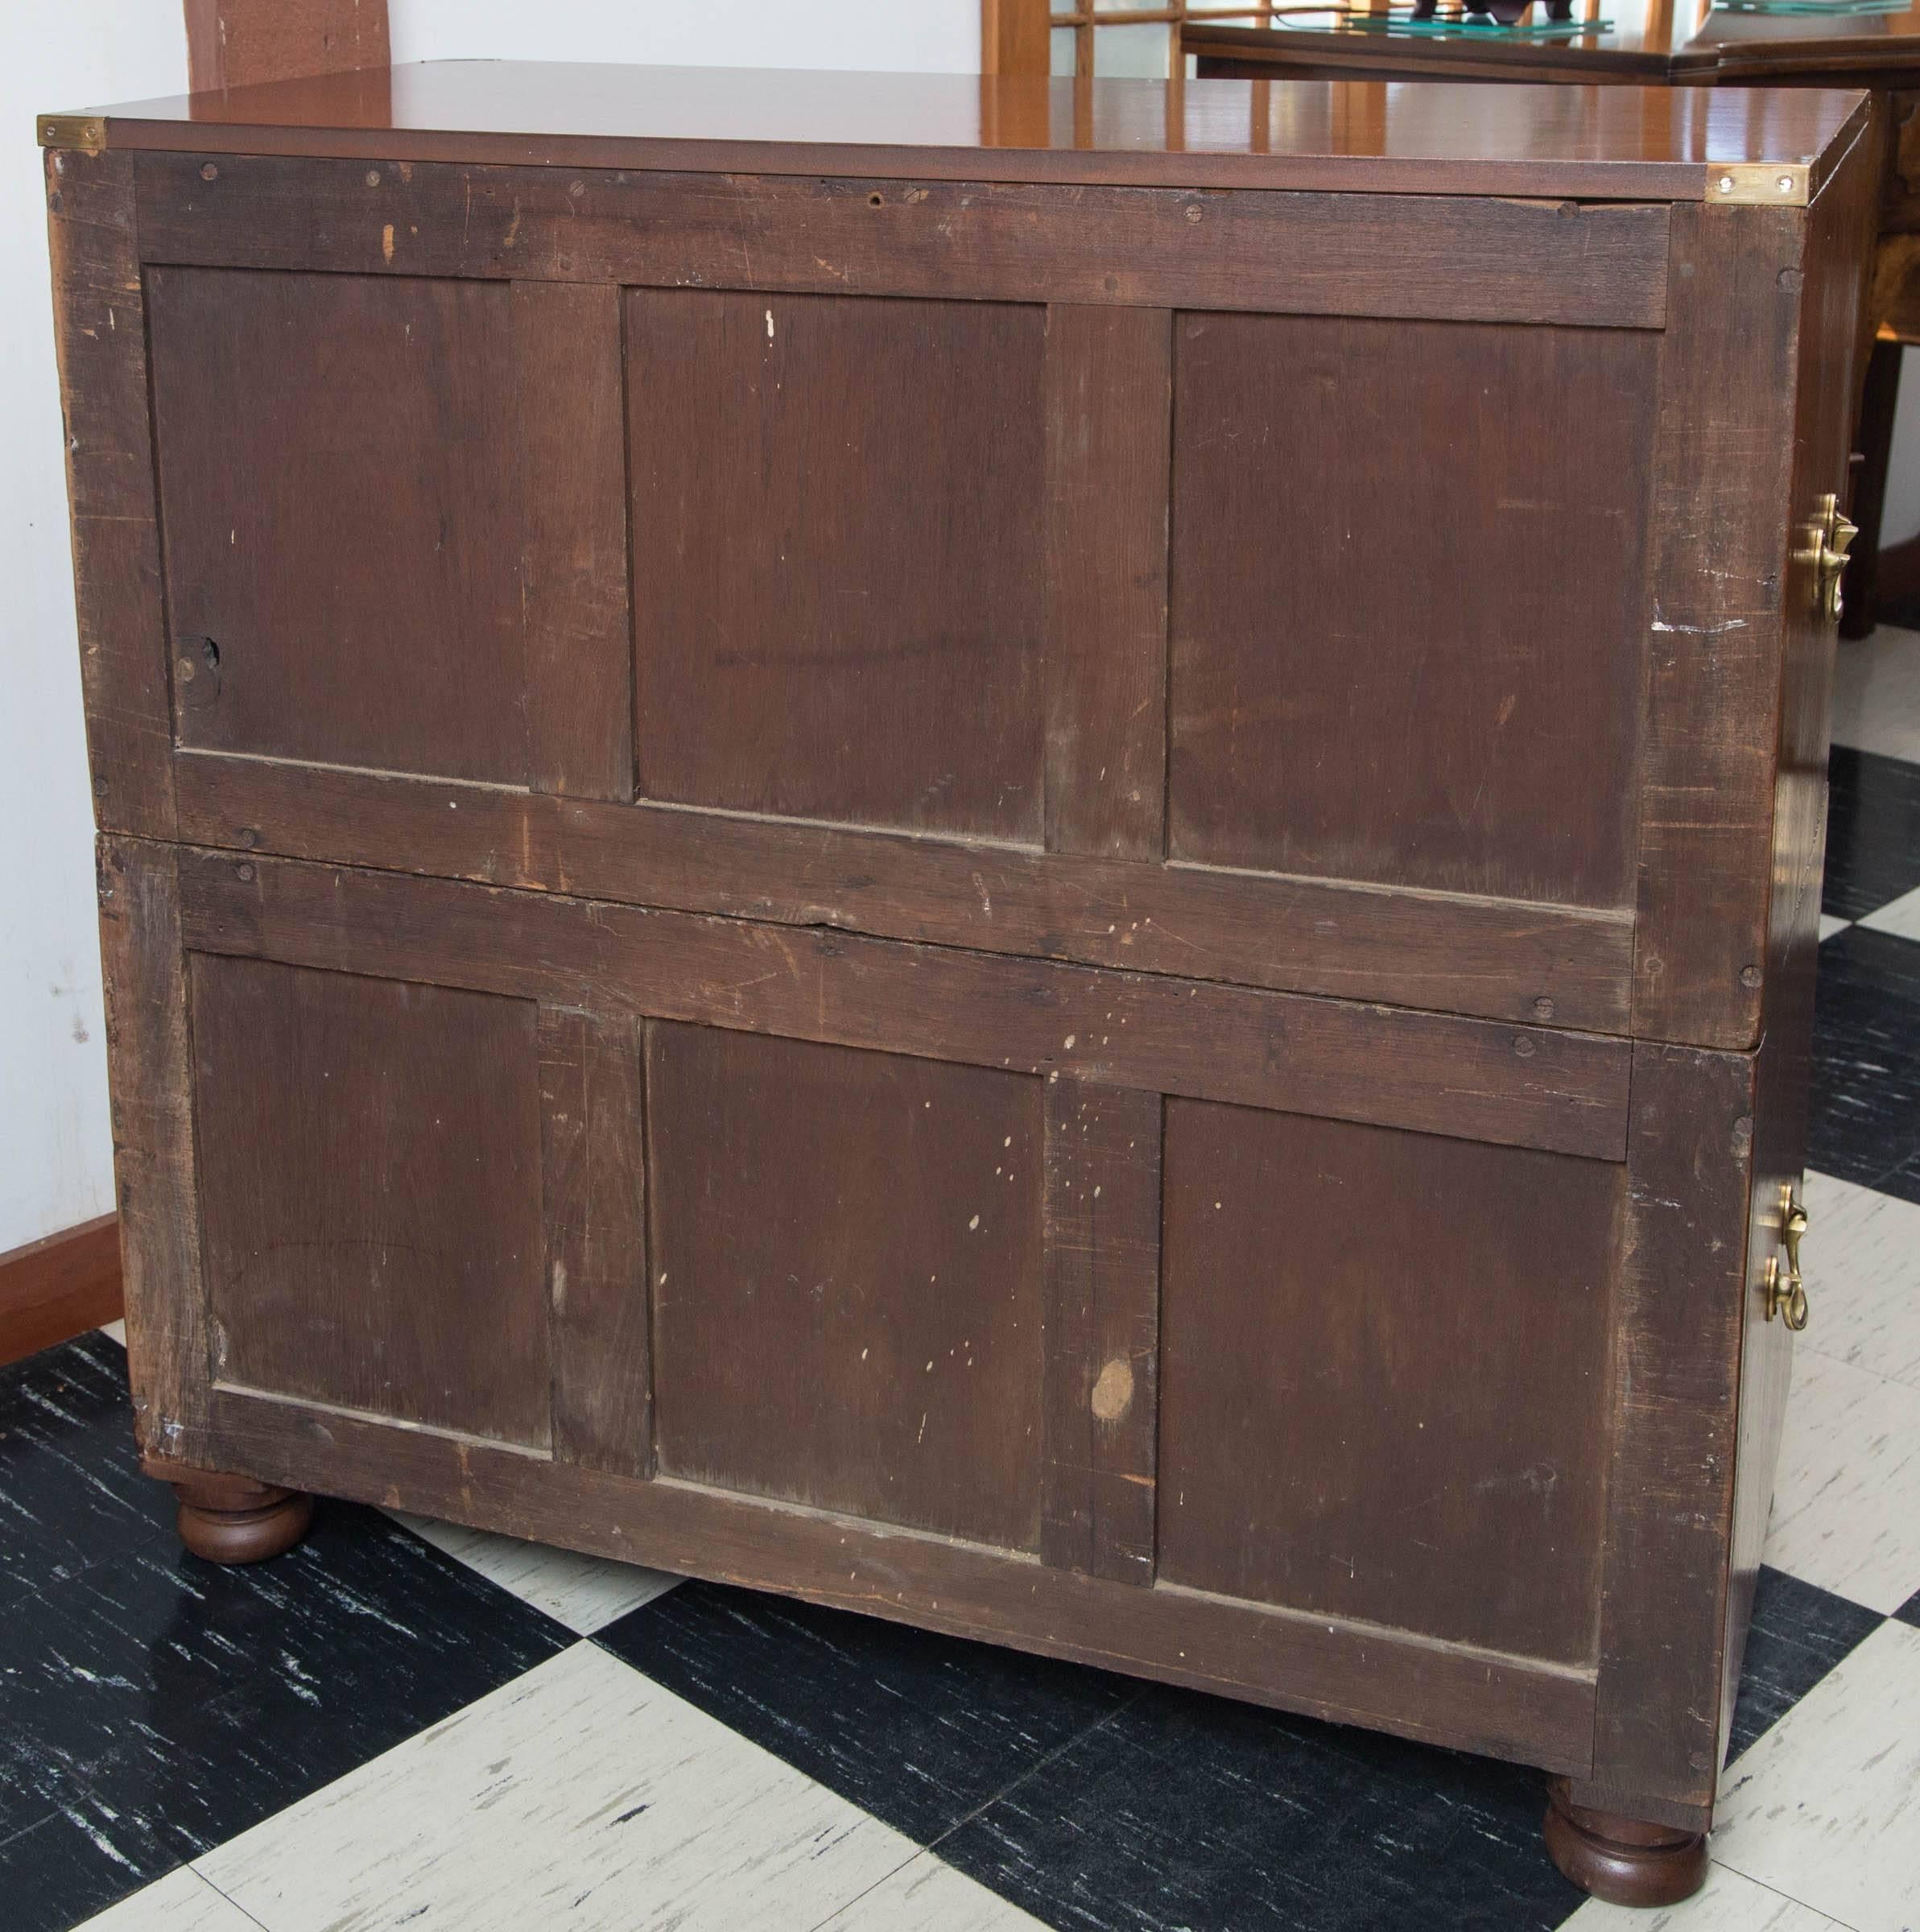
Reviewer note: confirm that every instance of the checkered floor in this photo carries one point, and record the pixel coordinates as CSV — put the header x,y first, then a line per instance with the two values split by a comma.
x,y
403,1724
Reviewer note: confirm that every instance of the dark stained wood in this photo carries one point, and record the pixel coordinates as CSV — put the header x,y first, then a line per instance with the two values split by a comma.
x,y
1620,1859
1872,455
233,1519
1425,140
1361,942
1828,359
236,44
1535,1087
1318,253
1719,542
837,560
1457,1297
1446,696
1471,1700
151,1077
59,1286
847,1294
1671,1434
338,586
570,468
1109,407
593,1208
1102,1330
100,333
1316,1291
371,1194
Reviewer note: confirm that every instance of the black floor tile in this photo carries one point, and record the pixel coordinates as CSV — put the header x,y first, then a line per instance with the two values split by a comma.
x,y
1188,1811
1798,1633
1872,831
191,1701
1908,1613
71,1490
1865,1122
917,1728
75,1862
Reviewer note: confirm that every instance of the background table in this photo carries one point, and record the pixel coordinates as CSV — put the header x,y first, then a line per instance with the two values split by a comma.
x,y
1652,43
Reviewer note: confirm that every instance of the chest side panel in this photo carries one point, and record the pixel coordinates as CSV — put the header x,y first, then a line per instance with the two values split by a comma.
x,y
340,519
1409,569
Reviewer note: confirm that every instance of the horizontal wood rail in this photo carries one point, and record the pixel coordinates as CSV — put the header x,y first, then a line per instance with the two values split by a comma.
x,y
1503,959
1434,1073
1469,1698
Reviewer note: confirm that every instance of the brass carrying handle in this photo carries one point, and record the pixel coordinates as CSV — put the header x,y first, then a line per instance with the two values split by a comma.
x,y
1829,536
1786,1291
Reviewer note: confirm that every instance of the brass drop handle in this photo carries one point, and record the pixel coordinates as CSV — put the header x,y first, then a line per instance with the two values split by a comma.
x,y
1830,537
1786,1292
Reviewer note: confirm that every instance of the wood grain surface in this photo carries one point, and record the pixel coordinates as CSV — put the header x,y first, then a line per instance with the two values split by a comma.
x,y
1473,1079
1385,1375
1102,1330
1444,693
878,234
370,1196
847,1291
837,568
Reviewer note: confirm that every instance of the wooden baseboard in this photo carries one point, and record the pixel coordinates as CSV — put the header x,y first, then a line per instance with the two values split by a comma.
x,y
54,1289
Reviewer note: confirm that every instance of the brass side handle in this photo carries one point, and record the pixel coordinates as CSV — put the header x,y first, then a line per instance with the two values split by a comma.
x,y
1786,1291
1829,536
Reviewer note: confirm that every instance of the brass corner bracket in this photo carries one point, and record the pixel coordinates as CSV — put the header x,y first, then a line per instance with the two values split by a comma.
x,y
1748,184
86,133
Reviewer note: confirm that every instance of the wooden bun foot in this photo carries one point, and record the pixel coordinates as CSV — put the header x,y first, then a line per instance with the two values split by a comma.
x,y
1622,1860
232,1519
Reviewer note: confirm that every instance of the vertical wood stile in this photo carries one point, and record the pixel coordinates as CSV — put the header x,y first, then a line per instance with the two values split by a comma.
x,y
1676,1371
572,469
1722,466
100,326
1101,1403
149,1064
593,1195
1109,411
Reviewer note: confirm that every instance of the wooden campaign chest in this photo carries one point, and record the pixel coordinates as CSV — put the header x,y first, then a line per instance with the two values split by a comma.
x,y
1043,858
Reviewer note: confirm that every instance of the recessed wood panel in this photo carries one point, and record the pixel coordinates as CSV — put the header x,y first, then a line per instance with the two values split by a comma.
x,y
1385,1369
847,1292
337,495
369,1179
1408,619
837,538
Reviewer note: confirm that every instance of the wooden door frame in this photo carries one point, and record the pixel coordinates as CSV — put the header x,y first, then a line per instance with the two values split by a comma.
x,y
237,43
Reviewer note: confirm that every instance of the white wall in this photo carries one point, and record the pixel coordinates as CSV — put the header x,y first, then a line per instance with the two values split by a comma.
x,y
889,36
56,1164
55,1161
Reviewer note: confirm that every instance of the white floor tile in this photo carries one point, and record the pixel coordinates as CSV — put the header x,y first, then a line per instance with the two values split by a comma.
x,y
1826,1807
1829,926
117,1330
1862,1257
182,1901
1876,694
582,1794
928,1896
1902,916
1726,1903
586,1593
1846,1500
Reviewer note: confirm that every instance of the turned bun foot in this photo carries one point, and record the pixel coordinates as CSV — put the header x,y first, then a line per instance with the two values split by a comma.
x,y
232,1519
1623,1860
